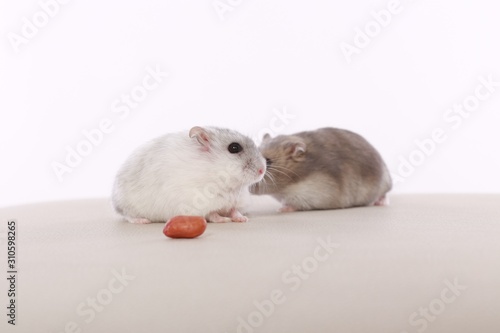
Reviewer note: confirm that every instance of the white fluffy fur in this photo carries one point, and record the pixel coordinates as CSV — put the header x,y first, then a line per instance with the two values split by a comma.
x,y
174,175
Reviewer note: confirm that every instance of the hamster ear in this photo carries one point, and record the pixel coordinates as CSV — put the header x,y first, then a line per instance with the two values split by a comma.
x,y
201,135
297,150
266,137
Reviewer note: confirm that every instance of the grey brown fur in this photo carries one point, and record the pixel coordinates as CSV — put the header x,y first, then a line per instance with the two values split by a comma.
x,y
323,169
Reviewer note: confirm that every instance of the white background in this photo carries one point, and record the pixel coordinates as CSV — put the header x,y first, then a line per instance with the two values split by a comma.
x,y
264,57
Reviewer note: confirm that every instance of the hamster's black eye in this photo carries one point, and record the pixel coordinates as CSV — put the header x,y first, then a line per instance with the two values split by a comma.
x,y
268,162
234,148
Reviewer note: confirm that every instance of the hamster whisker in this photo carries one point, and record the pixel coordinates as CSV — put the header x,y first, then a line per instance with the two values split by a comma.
x,y
271,178
275,167
254,185
282,172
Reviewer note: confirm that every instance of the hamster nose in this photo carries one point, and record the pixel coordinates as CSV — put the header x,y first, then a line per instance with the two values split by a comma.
x,y
261,171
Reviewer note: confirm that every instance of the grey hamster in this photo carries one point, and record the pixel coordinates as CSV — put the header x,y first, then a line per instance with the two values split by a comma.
x,y
327,168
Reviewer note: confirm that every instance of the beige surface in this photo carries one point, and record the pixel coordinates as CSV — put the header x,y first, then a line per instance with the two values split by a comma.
x,y
390,263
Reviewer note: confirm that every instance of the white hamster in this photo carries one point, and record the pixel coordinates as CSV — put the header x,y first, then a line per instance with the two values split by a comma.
x,y
202,172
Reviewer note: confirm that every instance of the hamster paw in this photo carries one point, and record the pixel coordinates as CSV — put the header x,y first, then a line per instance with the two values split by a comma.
x,y
137,220
287,209
240,219
382,201
217,218
236,216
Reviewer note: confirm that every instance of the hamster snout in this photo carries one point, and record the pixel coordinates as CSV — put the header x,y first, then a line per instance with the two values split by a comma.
x,y
256,169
